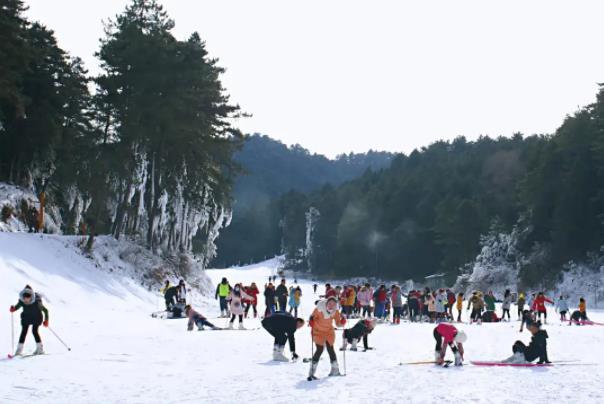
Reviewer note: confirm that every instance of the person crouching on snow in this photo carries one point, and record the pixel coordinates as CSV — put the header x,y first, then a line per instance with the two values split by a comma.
x,y
32,315
324,335
360,330
537,349
282,326
197,319
236,305
446,334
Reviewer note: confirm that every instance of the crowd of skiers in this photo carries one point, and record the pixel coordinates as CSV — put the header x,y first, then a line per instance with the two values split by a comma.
x,y
339,304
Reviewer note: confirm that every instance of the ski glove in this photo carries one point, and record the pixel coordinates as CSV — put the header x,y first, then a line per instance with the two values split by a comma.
x,y
45,323
12,309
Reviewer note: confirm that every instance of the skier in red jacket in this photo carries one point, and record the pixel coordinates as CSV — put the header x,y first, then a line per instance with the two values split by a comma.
x,y
446,334
252,291
539,306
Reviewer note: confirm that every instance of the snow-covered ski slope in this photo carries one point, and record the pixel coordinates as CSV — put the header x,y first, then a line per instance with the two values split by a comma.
x,y
122,355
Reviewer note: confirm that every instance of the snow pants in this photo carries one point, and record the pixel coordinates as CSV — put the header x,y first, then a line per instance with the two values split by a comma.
x,y
25,328
223,304
201,322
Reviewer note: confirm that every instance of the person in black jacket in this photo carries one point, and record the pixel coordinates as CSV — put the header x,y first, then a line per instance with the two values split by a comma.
x,y
171,297
537,349
32,306
269,299
281,293
282,326
360,330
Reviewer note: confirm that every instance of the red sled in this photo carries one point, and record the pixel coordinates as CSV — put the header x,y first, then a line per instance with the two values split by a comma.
x,y
518,365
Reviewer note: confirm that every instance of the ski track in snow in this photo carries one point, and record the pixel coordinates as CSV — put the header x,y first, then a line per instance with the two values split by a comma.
x,y
122,355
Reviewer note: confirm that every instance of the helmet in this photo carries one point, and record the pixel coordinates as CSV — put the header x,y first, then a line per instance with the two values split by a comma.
x,y
461,337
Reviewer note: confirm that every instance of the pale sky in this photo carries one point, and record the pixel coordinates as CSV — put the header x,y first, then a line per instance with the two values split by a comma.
x,y
341,76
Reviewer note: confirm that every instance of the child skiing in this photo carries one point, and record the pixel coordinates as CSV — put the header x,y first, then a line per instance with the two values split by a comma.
x,y
32,306
282,327
360,330
197,319
323,335
446,334
236,305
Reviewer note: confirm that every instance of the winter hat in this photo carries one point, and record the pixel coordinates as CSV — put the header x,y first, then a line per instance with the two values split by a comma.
x,y
461,337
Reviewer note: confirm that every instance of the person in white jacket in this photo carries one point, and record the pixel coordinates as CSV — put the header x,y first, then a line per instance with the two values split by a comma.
x,y
236,305
562,307
365,296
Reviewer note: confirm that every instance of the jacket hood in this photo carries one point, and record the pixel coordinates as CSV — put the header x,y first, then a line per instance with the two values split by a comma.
x,y
30,291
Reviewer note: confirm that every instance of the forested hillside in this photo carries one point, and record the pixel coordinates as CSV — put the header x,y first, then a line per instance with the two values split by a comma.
x,y
269,170
435,209
144,149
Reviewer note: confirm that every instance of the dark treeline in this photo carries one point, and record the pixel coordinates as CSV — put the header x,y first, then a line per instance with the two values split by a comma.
x,y
427,212
270,169
144,148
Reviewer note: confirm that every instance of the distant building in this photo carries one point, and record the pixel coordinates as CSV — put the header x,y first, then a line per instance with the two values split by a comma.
x,y
435,281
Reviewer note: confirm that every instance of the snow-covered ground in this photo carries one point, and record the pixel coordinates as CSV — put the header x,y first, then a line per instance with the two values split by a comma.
x,y
121,354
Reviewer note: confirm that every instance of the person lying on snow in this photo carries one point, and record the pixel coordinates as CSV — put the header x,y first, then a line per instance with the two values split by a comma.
x,y
323,334
282,326
32,306
446,334
537,349
360,330
197,319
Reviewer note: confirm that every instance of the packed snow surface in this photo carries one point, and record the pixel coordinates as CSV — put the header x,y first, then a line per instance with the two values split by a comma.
x,y
120,354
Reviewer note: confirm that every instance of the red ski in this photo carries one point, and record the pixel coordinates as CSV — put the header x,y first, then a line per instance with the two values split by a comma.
x,y
520,365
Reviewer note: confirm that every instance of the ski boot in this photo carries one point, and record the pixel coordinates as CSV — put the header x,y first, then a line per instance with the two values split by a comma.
x,y
278,354
335,370
39,349
353,345
241,327
19,350
344,344
312,371
458,359
230,327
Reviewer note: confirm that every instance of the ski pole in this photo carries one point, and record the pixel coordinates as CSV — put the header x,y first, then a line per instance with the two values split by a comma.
x,y
59,338
12,331
344,362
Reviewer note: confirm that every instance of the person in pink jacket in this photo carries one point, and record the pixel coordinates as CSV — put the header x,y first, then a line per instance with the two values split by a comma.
x,y
236,305
365,296
446,334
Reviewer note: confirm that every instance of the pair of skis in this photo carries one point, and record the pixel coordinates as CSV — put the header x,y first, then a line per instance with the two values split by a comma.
x,y
504,364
